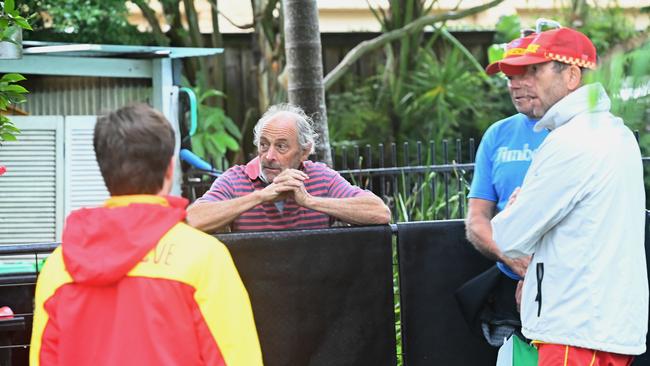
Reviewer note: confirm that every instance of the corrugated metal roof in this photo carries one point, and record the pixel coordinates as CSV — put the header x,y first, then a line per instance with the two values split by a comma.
x,y
108,50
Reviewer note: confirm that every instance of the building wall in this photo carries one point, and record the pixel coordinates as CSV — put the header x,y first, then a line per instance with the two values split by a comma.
x,y
354,15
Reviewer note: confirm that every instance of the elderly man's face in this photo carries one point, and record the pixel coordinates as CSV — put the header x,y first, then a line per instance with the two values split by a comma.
x,y
279,148
544,86
520,100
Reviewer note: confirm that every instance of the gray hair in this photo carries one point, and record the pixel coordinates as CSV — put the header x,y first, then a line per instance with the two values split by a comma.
x,y
304,124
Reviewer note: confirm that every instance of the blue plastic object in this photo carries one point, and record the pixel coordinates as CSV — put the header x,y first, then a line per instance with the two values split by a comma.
x,y
193,111
195,161
508,272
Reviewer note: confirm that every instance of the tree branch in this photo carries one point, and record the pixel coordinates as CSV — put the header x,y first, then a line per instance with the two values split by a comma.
x,y
377,42
193,23
150,15
627,46
216,10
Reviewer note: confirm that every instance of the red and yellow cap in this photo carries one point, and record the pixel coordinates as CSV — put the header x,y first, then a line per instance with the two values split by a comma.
x,y
564,45
515,48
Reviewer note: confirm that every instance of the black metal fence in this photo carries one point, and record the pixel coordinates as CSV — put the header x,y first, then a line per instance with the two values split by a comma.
x,y
420,181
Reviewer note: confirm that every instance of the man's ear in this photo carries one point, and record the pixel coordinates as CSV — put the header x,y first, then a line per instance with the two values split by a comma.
x,y
574,77
305,153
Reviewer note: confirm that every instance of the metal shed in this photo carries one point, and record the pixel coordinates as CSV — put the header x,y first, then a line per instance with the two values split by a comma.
x,y
51,169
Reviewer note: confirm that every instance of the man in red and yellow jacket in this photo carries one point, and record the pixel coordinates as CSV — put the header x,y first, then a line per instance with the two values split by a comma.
x,y
131,283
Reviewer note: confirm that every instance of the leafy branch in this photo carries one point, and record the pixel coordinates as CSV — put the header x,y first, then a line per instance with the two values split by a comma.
x,y
9,18
10,93
413,27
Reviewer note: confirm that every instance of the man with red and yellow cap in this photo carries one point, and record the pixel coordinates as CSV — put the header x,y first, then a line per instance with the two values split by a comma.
x,y
580,213
502,159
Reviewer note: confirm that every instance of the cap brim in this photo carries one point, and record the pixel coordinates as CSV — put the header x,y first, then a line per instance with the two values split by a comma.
x,y
517,65
493,68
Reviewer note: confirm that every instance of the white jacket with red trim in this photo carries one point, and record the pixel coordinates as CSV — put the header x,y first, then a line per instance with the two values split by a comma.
x,y
581,213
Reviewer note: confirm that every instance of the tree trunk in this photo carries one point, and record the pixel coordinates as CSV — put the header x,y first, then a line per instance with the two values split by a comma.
x,y
305,67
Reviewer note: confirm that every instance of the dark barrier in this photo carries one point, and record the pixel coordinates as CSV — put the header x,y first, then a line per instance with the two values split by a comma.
x,y
320,297
17,292
324,297
435,260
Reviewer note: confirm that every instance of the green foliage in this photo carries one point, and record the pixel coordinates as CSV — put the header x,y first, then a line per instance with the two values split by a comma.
x,y
10,92
10,19
216,133
91,21
446,96
507,28
419,202
606,27
351,112
439,92
397,304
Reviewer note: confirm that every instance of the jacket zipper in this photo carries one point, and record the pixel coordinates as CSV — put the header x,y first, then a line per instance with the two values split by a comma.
x,y
540,277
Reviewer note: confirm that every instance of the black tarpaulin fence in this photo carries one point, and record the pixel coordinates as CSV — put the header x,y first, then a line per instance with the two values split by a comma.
x,y
325,297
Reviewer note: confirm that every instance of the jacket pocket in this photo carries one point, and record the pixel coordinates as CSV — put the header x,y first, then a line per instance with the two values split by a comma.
x,y
540,277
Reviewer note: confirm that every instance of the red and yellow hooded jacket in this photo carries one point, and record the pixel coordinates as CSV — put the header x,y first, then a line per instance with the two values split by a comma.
x,y
132,284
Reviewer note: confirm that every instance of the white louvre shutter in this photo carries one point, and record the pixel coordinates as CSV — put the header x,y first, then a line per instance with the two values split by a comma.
x,y
31,204
84,183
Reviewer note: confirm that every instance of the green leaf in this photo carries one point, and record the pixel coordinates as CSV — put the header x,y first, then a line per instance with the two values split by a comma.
x,y
11,78
507,28
7,137
9,6
13,88
231,143
15,98
232,128
211,93
10,128
214,120
23,23
495,52
216,145
197,145
641,62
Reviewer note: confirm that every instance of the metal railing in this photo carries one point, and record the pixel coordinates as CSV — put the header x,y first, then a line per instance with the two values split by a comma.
x,y
421,181
418,181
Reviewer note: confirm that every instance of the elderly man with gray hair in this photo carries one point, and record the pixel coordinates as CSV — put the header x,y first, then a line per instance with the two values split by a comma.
x,y
280,189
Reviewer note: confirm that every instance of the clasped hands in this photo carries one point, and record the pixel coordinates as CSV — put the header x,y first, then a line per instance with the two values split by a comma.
x,y
290,183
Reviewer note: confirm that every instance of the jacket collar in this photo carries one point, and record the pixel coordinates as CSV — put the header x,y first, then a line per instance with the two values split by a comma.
x,y
121,201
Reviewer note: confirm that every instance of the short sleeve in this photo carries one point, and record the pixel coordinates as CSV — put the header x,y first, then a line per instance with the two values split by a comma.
x,y
221,189
341,188
482,184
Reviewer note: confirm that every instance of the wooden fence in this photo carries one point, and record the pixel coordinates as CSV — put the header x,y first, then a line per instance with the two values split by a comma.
x,y
241,83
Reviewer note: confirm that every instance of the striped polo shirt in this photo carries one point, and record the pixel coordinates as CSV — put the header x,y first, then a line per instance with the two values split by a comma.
x,y
242,180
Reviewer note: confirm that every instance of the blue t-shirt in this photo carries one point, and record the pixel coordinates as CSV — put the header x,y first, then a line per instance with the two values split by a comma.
x,y
503,157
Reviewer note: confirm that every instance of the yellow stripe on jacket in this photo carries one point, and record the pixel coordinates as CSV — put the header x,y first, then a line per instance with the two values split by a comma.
x,y
52,276
220,294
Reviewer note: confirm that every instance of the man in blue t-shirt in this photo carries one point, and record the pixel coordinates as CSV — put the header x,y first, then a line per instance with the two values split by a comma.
x,y
502,159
